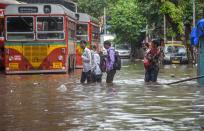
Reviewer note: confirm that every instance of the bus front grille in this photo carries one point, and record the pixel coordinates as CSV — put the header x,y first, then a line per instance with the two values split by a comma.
x,y
35,54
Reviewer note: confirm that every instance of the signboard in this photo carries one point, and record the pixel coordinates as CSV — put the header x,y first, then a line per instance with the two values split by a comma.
x,y
57,65
14,66
28,9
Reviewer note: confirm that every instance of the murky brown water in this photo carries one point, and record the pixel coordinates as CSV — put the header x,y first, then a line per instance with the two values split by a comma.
x,y
61,103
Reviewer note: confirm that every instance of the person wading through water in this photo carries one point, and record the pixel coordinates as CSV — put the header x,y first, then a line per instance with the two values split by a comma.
x,y
86,58
96,71
151,62
110,59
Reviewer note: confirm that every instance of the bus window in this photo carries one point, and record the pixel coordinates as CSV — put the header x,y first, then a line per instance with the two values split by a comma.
x,y
95,34
20,28
1,27
50,28
82,32
82,29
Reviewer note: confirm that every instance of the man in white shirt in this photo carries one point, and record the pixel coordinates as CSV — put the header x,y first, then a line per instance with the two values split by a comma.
x,y
86,58
96,71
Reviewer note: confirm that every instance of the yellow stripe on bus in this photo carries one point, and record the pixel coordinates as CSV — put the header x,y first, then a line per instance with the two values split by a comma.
x,y
36,54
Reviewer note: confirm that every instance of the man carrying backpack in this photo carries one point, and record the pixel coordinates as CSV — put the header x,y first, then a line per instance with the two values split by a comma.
x,y
110,60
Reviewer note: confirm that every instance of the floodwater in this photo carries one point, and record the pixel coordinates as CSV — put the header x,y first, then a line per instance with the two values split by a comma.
x,y
60,103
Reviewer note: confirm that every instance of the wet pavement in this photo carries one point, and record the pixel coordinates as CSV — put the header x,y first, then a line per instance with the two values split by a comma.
x,y
60,103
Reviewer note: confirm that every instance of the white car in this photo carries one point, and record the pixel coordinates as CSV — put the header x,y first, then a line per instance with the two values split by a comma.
x,y
123,50
175,54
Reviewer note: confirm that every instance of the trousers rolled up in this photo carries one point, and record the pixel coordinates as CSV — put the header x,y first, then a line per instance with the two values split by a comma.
x,y
86,76
110,76
151,73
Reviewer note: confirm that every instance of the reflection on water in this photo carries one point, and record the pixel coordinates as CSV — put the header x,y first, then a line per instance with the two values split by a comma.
x,y
60,102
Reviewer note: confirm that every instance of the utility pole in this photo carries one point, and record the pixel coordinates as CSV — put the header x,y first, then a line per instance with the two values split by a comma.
x,y
164,28
193,13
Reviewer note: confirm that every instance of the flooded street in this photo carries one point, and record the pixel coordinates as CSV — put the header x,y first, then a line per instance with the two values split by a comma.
x,y
59,102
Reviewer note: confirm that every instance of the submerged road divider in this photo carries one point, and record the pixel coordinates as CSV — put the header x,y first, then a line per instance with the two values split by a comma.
x,y
184,80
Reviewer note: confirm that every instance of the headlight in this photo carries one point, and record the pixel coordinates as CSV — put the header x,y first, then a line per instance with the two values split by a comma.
x,y
10,58
60,57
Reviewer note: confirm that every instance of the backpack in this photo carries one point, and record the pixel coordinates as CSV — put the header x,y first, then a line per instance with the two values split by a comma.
x,y
117,63
102,63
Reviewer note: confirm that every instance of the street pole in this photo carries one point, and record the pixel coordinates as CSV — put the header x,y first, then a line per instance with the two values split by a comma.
x,y
76,8
193,13
104,20
147,39
164,28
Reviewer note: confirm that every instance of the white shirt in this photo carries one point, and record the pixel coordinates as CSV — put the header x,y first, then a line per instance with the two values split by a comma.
x,y
95,64
86,58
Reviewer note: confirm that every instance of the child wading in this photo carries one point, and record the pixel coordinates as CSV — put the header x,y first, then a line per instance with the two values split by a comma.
x,y
151,62
96,71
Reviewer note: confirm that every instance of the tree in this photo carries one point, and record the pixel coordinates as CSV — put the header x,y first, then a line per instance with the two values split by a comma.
x,y
150,9
174,16
94,7
127,22
129,17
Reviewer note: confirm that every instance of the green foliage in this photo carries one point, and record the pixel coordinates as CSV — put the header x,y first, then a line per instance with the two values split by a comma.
x,y
187,12
129,17
94,7
126,20
150,9
175,13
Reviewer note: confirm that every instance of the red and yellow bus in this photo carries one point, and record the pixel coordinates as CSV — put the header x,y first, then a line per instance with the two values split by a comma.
x,y
40,38
88,30
3,4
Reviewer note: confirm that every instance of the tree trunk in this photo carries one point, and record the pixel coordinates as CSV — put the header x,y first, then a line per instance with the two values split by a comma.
x,y
186,38
132,53
203,12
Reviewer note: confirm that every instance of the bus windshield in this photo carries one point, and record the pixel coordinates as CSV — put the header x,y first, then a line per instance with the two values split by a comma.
x,y
50,23
175,50
20,28
50,28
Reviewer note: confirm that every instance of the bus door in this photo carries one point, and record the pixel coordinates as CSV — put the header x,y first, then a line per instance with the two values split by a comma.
x,y
71,44
95,37
82,34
